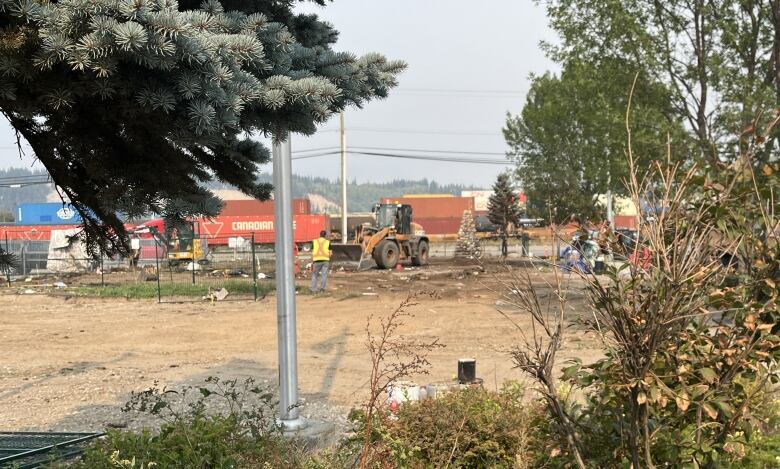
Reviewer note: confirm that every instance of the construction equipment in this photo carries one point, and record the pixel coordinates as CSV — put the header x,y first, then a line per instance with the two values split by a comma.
x,y
181,242
392,237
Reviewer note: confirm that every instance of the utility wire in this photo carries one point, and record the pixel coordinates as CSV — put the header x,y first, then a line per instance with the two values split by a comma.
x,y
414,150
23,176
23,184
460,91
435,158
449,152
314,149
455,159
416,131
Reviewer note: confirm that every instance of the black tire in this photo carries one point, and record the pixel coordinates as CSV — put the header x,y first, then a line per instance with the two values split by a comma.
x,y
386,254
422,254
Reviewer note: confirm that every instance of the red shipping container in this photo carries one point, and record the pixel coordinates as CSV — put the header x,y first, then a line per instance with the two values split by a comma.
x,y
625,222
245,208
435,207
219,229
439,226
30,232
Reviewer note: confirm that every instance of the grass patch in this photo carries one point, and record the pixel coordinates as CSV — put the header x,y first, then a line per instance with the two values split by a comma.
x,y
149,289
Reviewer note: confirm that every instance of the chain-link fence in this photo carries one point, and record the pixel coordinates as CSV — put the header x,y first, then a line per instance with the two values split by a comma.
x,y
38,257
177,269
216,268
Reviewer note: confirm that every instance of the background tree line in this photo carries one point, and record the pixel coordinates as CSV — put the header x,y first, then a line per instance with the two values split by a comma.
x,y
362,195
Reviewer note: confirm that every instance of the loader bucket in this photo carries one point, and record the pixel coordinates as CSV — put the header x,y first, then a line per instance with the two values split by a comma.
x,y
346,252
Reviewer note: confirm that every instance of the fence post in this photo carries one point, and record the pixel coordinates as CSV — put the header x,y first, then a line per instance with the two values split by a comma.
x,y
254,266
24,259
193,258
8,251
157,261
102,272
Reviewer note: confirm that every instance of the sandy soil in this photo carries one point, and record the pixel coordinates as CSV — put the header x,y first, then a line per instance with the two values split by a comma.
x,y
65,361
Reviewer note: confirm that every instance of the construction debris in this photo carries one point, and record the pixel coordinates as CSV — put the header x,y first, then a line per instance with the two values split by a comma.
x,y
147,274
218,295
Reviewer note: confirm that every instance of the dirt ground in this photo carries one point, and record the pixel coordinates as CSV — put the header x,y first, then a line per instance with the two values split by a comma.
x,y
69,363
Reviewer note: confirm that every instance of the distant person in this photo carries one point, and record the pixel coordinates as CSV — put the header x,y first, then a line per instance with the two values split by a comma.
x,y
320,261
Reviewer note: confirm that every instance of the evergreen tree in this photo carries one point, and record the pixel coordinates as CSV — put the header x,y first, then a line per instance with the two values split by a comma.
x,y
503,209
132,106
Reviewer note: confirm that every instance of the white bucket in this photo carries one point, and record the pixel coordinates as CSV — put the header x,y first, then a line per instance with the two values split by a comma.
x,y
403,391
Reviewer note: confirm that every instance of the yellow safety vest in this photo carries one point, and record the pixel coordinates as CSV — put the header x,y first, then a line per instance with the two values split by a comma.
x,y
320,250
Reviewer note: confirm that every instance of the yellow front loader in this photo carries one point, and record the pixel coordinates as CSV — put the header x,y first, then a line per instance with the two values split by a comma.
x,y
392,238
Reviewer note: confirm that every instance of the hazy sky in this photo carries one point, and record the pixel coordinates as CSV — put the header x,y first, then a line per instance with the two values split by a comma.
x,y
469,64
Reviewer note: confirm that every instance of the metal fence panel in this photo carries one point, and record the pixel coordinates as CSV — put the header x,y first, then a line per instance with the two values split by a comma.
x,y
215,269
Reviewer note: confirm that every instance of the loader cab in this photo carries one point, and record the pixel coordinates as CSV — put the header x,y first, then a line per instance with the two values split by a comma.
x,y
394,215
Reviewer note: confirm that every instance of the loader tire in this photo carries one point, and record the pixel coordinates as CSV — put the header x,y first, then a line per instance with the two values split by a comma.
x,y
422,254
386,254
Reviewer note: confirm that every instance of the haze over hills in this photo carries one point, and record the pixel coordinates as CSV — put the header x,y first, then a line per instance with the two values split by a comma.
x,y
10,197
325,194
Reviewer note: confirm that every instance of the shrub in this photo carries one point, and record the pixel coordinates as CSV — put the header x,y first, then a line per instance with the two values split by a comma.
x,y
691,335
194,442
470,428
193,436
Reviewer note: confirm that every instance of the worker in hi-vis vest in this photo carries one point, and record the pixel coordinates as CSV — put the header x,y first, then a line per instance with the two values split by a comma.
x,y
320,261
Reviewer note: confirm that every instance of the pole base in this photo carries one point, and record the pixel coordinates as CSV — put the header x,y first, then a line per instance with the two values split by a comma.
x,y
317,434
292,425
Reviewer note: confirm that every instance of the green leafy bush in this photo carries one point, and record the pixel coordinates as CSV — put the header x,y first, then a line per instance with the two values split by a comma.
x,y
245,434
195,442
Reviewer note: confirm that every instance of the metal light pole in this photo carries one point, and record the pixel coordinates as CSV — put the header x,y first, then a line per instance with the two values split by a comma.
x,y
285,287
344,226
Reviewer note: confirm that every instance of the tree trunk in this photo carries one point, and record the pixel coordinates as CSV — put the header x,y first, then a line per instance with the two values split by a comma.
x,y
633,432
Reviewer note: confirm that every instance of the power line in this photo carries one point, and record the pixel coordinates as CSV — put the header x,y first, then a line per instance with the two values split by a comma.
x,y
435,158
23,176
455,90
328,151
455,159
417,131
457,95
451,152
316,155
4,185
314,149
22,180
